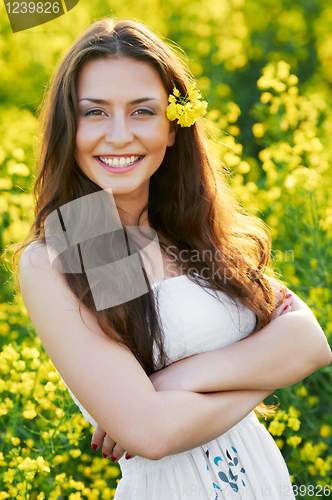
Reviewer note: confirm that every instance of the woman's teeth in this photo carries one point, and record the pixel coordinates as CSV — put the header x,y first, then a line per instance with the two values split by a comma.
x,y
119,162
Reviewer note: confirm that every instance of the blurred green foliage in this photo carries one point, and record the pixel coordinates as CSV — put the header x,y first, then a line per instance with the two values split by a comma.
x,y
265,68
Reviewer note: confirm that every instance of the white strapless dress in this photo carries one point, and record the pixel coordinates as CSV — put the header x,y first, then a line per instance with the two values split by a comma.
x,y
243,463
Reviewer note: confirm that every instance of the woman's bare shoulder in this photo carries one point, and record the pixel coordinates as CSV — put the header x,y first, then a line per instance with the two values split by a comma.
x,y
35,253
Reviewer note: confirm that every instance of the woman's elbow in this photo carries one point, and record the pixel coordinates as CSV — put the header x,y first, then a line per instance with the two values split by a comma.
x,y
326,356
315,343
321,354
158,448
150,452
147,442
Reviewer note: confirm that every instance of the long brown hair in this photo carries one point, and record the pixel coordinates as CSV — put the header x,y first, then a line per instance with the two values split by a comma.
x,y
190,204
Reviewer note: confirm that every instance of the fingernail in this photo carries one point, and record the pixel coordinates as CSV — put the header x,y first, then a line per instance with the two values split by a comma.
x,y
114,459
128,457
106,456
94,446
288,295
286,307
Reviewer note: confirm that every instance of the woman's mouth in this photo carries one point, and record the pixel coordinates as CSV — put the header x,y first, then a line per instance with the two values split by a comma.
x,y
119,162
119,165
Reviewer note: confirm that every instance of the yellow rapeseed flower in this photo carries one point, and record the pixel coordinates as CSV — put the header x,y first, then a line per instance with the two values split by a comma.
x,y
294,441
29,411
53,375
50,387
8,475
301,391
294,423
87,471
311,452
75,453
77,485
28,464
312,470
61,386
107,493
258,129
313,400
75,496
42,464
30,353
266,97
54,495
325,430
100,484
276,428
185,109
35,364
293,412
322,466
2,461
30,443
3,409
45,403
12,490
60,477
9,353
19,365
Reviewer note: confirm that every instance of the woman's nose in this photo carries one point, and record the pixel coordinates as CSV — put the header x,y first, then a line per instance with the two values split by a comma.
x,y
118,131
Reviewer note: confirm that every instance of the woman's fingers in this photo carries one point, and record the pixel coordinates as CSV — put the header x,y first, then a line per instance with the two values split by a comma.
x,y
97,438
285,306
113,450
109,446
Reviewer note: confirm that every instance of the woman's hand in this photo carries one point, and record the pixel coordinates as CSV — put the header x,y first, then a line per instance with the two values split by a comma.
x,y
285,306
110,447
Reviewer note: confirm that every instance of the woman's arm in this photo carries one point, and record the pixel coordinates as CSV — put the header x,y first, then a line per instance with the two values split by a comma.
x,y
109,381
214,414
285,351
188,420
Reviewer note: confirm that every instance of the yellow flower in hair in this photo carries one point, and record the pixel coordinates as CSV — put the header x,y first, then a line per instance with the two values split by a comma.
x,y
185,109
171,111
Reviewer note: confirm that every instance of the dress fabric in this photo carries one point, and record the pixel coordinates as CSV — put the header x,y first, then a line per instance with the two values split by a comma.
x,y
243,463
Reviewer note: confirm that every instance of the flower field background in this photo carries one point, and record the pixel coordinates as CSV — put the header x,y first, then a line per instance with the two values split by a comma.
x,y
265,68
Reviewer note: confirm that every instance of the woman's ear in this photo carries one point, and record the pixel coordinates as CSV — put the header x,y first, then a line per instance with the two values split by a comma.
x,y
172,133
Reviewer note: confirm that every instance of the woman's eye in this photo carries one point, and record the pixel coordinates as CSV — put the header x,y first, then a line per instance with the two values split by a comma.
x,y
144,111
95,112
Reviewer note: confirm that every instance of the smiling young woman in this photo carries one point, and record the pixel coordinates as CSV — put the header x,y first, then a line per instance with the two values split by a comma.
x,y
122,105
172,376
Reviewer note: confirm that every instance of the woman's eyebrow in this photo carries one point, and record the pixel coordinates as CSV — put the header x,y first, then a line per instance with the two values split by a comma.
x,y
102,101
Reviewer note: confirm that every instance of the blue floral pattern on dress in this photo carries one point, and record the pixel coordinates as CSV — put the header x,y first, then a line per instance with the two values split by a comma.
x,y
233,474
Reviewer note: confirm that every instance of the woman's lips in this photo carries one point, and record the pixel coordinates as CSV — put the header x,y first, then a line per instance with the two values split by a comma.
x,y
119,169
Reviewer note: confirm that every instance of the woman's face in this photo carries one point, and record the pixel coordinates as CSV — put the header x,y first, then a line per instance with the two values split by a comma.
x,y
122,118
